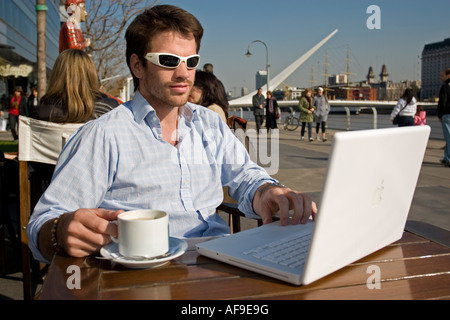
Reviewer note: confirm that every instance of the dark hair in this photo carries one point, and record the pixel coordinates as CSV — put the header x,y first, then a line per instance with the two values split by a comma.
x,y
154,21
208,67
213,91
408,95
19,89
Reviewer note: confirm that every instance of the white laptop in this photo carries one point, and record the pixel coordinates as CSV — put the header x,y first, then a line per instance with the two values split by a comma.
x,y
366,197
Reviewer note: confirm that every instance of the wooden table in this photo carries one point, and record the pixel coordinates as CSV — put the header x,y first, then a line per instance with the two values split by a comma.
x,y
412,268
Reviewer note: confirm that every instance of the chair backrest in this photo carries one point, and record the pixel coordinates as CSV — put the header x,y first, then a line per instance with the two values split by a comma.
x,y
39,142
42,141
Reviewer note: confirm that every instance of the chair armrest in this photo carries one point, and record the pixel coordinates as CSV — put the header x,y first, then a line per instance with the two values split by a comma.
x,y
235,215
231,208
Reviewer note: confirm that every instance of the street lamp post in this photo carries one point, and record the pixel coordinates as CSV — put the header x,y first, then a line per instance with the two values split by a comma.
x,y
248,54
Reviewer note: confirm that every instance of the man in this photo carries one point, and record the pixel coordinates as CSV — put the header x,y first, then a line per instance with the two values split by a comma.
x,y
443,111
259,103
208,67
155,152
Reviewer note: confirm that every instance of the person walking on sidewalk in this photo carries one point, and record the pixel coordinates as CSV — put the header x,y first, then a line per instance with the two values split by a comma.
x,y
271,112
322,109
259,102
443,112
306,114
406,108
17,106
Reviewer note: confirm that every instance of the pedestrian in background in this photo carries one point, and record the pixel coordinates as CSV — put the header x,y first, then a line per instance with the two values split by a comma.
x,y
271,111
406,108
17,106
420,119
258,108
306,113
443,112
321,111
3,105
32,101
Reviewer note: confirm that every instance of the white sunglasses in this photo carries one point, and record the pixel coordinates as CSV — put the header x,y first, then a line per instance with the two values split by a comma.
x,y
172,61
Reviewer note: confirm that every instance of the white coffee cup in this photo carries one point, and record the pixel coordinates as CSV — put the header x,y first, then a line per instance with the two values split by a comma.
x,y
143,233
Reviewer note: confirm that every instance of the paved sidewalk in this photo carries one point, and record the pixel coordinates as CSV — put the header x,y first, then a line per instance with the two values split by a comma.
x,y
302,167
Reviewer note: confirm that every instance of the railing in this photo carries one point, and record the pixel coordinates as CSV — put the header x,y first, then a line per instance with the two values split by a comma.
x,y
347,105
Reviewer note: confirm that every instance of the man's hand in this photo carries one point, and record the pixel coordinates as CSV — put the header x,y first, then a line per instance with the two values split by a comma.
x,y
85,231
80,233
273,199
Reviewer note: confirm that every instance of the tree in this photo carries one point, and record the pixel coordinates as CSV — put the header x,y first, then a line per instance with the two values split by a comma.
x,y
106,24
41,15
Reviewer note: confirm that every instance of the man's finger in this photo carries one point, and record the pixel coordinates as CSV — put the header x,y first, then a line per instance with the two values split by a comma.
x,y
109,215
307,208
97,220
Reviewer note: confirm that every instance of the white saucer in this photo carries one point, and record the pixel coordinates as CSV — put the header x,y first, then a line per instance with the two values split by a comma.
x,y
176,246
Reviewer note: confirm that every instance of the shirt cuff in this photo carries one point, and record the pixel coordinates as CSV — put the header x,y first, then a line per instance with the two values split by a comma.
x,y
246,206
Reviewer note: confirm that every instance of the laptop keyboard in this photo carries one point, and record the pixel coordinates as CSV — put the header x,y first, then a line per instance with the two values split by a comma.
x,y
290,252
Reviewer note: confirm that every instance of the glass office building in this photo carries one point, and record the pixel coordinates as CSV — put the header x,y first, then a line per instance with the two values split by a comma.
x,y
435,58
18,42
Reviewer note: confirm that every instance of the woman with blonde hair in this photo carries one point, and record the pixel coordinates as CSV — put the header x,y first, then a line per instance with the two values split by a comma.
x,y
73,91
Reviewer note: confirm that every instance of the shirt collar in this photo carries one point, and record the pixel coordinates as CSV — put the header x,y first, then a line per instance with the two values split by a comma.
x,y
188,111
141,108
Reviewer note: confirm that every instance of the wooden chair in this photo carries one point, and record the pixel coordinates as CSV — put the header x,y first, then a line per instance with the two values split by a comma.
x,y
3,213
40,143
9,194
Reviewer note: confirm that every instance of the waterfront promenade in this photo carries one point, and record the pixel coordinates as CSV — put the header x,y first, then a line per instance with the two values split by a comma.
x,y
302,166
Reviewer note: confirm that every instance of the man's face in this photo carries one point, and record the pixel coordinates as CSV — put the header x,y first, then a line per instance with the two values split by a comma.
x,y
164,87
260,91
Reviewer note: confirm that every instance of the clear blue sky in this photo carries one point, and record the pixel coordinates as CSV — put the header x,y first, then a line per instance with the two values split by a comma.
x,y
291,27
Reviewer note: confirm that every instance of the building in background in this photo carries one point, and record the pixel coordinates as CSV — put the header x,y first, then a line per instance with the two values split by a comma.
x,y
337,79
435,58
18,43
261,79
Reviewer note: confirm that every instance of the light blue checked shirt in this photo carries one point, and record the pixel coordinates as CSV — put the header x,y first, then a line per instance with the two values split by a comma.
x,y
120,161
